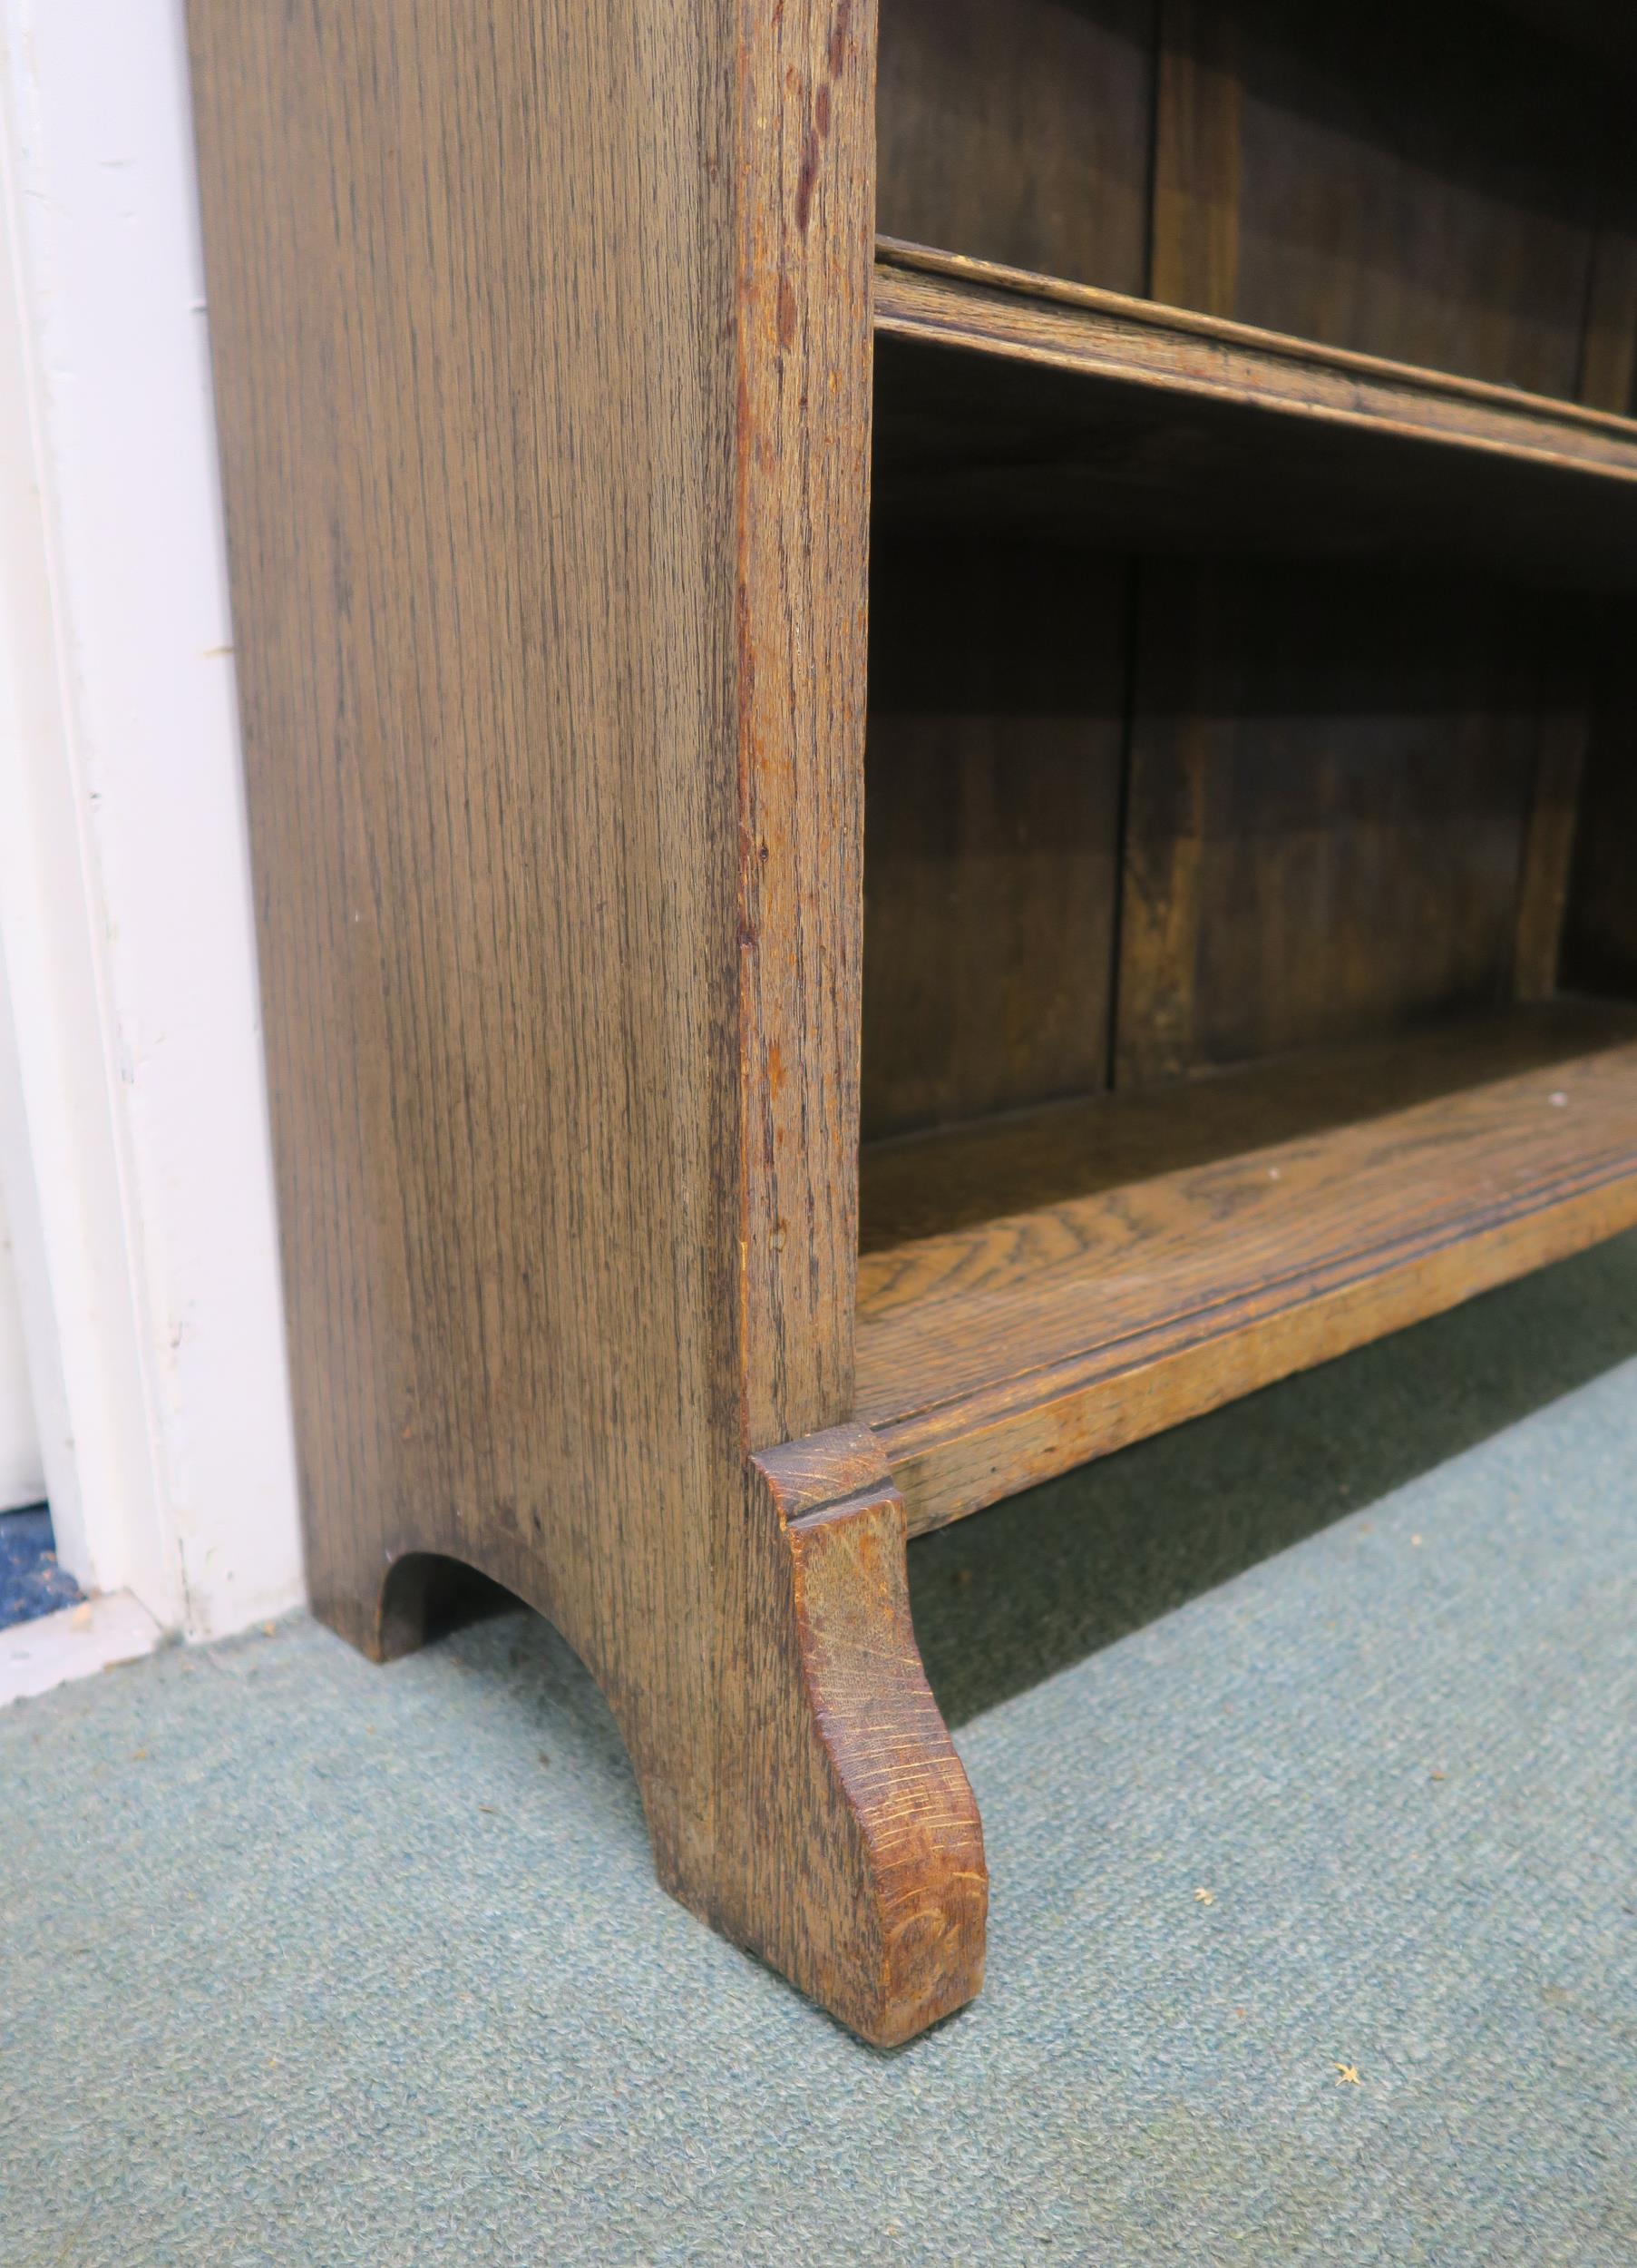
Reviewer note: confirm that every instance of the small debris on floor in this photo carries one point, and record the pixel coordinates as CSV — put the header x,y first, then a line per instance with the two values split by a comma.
x,y
1204,1897
1348,2075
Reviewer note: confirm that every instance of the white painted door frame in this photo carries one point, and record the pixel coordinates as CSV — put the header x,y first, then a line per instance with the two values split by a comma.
x,y
135,1154
21,1476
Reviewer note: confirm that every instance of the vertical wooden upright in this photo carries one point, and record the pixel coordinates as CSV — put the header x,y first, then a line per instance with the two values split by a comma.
x,y
543,358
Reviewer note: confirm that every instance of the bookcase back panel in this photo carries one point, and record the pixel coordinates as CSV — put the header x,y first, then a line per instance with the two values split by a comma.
x,y
1437,185
1600,936
1412,182
1020,130
1332,784
992,825
1127,822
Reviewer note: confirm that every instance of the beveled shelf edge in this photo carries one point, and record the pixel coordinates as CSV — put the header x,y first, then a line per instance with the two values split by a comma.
x,y
1009,313
1011,1433
1119,1291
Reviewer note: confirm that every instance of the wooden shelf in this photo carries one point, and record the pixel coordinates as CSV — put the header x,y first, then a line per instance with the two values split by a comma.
x,y
1005,395
1048,1288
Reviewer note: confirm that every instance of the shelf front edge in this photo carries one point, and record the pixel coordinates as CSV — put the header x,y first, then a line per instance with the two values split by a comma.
x,y
945,300
1011,1434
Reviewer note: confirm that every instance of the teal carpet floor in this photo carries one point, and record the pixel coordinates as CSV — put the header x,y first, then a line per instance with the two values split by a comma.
x,y
1306,1740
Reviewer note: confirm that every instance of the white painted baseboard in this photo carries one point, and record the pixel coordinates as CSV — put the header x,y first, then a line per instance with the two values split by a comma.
x,y
74,1642
136,1157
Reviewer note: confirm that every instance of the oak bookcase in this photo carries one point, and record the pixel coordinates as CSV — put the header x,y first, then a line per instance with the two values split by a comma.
x,y
939,722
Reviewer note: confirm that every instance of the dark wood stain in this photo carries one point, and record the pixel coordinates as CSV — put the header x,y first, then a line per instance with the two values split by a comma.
x,y
1018,401
1330,781
992,821
1000,1351
549,597
1176,852
1599,937
1019,132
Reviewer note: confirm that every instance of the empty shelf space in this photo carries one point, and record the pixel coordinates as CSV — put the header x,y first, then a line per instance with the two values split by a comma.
x,y
1007,396
1048,1288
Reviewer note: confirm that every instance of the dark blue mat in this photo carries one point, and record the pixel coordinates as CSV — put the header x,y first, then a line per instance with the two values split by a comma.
x,y
31,1581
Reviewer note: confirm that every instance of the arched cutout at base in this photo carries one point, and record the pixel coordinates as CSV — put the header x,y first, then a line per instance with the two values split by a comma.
x,y
809,1805
426,1594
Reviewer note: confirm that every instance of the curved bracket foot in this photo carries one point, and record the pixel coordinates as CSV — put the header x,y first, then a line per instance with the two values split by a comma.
x,y
802,1791
849,1850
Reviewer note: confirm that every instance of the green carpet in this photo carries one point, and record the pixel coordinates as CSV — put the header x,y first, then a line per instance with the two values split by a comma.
x,y
307,1962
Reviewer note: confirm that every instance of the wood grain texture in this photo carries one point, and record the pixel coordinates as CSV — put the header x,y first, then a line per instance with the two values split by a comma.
x,y
542,339
1162,889
1019,131
997,721
888,1931
1548,854
1330,788
804,166
923,1186
1608,370
1021,403
1193,258
1427,185
998,1353
550,592
1397,195
983,309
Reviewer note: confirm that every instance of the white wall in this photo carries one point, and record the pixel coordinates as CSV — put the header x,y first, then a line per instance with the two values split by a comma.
x,y
22,1470
125,911
22,1474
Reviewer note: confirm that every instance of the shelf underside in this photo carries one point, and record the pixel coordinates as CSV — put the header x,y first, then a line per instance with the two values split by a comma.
x,y
1013,399
1046,1289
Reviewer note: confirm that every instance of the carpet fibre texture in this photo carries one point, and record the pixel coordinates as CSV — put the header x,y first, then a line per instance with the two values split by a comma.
x,y
31,1582
1305,1743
